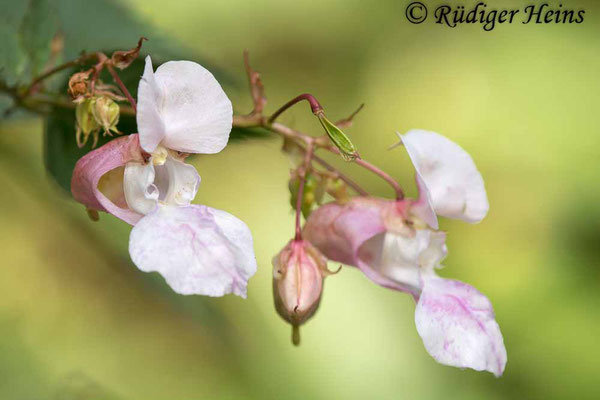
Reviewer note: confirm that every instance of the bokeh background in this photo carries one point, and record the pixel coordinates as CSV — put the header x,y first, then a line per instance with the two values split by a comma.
x,y
79,321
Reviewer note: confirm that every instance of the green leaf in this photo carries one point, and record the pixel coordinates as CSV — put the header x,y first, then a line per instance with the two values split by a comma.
x,y
13,58
40,25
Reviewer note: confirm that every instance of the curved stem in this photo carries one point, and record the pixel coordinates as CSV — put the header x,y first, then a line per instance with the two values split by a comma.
x,y
315,106
382,174
367,165
305,166
58,68
122,86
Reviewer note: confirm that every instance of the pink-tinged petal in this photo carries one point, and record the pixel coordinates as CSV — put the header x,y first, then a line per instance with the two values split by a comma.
x,y
148,117
91,167
338,230
453,183
355,234
458,326
183,105
197,249
400,261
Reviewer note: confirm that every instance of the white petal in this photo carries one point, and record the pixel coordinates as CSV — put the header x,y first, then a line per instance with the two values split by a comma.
x,y
423,207
177,182
401,261
138,185
449,175
197,249
458,327
150,124
195,111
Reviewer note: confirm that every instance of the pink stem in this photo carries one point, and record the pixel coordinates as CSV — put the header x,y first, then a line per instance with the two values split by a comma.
x,y
122,86
315,106
377,171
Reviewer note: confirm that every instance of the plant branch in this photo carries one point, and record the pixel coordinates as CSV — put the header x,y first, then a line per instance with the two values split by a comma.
x,y
301,138
122,86
315,106
78,61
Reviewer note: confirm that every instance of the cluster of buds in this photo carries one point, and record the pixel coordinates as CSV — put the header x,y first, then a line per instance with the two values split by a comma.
x,y
94,114
96,103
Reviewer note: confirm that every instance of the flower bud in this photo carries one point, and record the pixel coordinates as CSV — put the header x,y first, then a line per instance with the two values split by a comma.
x,y
309,195
339,138
86,123
106,113
298,273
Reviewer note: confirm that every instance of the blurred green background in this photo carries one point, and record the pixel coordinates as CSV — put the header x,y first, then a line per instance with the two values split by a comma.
x,y
79,321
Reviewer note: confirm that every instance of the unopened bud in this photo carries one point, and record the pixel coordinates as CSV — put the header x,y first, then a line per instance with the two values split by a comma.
x,y
106,112
86,123
339,138
298,273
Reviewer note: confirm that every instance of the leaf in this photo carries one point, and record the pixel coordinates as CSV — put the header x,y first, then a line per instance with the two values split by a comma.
x,y
39,26
12,55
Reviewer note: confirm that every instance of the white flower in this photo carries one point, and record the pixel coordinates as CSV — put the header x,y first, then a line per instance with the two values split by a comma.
x,y
144,180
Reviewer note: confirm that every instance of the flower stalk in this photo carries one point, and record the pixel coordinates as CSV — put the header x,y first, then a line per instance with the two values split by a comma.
x,y
304,170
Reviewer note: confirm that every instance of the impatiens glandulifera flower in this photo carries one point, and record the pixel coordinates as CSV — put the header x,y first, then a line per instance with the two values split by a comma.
x,y
396,250
144,180
298,273
393,244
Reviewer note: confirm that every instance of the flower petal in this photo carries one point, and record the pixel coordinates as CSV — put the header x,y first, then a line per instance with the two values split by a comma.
x,y
398,261
140,192
94,165
338,230
449,174
183,105
148,117
197,249
177,182
423,207
458,327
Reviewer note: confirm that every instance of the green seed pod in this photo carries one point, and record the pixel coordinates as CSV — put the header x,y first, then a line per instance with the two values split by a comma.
x,y
339,138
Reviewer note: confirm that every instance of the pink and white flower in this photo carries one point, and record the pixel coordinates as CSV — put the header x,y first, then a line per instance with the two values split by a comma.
x,y
143,180
396,244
